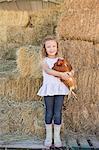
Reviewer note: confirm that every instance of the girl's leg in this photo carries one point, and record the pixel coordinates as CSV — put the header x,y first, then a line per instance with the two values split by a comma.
x,y
49,107
49,101
58,103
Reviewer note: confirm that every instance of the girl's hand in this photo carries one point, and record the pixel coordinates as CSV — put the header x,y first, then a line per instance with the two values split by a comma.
x,y
71,73
64,75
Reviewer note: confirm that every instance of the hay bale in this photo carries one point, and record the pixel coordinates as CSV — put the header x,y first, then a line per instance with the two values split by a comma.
x,y
26,28
4,109
23,83
44,22
79,20
88,85
3,40
80,53
9,54
28,62
15,38
21,118
40,24
13,18
83,115
17,88
96,55
7,50
2,50
3,34
18,36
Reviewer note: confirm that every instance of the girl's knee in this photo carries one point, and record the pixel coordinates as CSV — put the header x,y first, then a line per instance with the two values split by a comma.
x,y
49,118
57,118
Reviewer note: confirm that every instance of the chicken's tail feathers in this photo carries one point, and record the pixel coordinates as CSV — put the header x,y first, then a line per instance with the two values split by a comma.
x,y
71,92
74,94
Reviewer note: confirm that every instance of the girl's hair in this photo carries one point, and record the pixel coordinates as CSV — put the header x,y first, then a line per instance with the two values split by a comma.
x,y
48,38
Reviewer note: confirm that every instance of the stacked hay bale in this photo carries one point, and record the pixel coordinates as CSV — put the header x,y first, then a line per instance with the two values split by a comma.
x,y
44,22
20,111
9,21
22,84
17,118
78,31
20,28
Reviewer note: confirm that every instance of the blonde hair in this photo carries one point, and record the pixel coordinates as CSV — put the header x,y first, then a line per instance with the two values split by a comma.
x,y
48,38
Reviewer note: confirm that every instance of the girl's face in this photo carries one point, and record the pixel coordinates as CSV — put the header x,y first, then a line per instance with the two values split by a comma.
x,y
51,48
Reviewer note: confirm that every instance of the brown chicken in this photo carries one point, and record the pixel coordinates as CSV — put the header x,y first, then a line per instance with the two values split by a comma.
x,y
63,65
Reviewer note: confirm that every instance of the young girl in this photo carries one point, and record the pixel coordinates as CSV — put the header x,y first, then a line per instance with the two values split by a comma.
x,y
53,91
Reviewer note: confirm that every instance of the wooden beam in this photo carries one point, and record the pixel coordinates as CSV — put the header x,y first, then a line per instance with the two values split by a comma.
x,y
84,144
95,143
71,142
28,144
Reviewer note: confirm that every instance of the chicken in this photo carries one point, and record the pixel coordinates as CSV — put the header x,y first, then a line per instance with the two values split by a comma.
x,y
63,65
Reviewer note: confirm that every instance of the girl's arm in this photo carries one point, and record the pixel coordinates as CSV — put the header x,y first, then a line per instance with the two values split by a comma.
x,y
62,75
